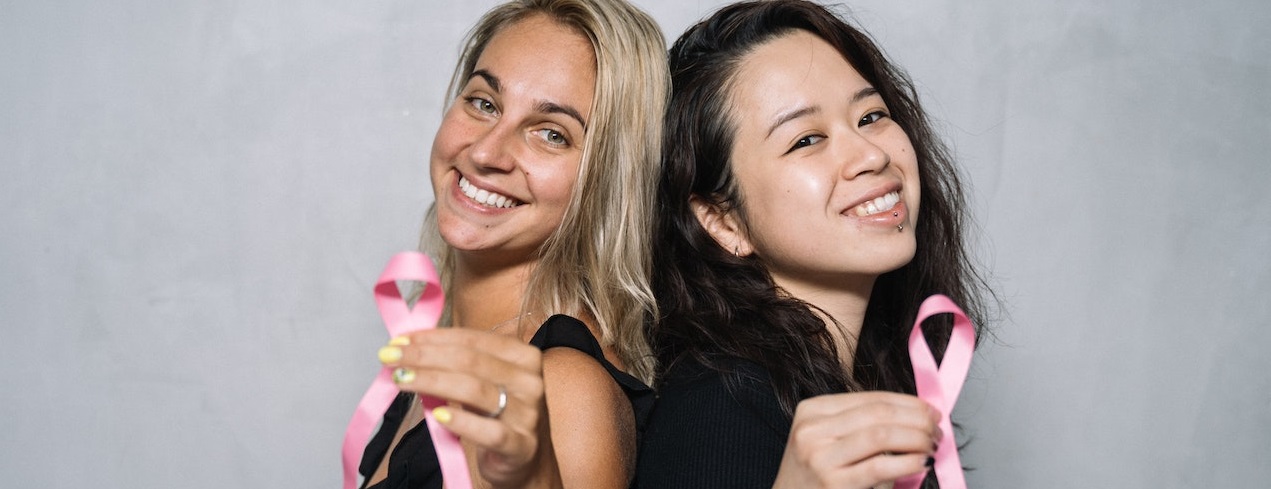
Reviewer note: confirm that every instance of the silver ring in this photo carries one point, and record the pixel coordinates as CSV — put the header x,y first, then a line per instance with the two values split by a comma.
x,y
503,402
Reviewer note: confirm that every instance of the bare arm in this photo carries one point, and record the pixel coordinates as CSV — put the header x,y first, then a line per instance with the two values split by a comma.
x,y
591,421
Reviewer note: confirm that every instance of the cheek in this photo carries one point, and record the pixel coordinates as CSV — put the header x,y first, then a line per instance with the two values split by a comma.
x,y
453,135
907,161
794,192
552,183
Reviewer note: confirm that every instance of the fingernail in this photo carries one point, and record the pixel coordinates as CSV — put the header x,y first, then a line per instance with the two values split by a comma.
x,y
930,461
441,414
934,413
400,341
390,354
403,375
939,434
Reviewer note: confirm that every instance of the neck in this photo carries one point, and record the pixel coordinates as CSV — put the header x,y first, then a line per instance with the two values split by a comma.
x,y
483,296
844,300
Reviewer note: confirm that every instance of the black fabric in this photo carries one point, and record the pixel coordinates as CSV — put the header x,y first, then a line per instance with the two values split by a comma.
x,y
713,430
562,330
413,464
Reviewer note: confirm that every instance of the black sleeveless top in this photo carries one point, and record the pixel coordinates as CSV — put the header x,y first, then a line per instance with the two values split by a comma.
x,y
413,464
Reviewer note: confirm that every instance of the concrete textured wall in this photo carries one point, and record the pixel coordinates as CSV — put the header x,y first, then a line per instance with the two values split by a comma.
x,y
196,197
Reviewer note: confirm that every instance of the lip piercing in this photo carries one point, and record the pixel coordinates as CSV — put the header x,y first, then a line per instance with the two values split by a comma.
x,y
900,228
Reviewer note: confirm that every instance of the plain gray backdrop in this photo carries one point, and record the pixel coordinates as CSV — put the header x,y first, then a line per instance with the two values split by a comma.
x,y
196,197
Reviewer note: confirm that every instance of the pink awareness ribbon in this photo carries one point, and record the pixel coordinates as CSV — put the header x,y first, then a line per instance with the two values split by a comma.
x,y
400,319
940,386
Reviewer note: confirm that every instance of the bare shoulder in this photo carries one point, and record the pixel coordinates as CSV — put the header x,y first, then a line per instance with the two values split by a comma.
x,y
591,420
583,389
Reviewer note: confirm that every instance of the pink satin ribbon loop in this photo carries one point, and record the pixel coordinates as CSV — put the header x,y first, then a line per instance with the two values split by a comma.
x,y
940,385
400,319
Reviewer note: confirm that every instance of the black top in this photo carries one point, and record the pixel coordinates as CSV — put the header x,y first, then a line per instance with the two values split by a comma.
x,y
713,430
413,464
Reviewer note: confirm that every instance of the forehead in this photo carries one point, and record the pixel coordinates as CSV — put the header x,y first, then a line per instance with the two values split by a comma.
x,y
797,68
539,57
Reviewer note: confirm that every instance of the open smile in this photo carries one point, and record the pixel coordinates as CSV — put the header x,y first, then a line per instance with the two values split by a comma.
x,y
486,197
879,205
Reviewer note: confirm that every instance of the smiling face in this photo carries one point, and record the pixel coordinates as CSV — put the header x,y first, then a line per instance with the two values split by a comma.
x,y
505,159
828,181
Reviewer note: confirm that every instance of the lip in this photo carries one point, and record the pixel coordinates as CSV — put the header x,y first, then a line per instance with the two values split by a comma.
x,y
892,218
464,201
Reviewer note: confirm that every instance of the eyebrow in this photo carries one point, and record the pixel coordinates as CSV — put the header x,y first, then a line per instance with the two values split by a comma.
x,y
792,115
489,78
541,106
783,118
551,108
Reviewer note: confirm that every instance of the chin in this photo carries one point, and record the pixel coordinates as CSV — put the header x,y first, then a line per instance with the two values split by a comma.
x,y
895,262
457,238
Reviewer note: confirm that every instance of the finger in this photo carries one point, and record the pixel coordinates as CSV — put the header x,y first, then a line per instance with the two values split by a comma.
x,y
510,349
489,433
872,441
831,404
892,416
430,360
882,469
841,415
460,358
465,390
501,447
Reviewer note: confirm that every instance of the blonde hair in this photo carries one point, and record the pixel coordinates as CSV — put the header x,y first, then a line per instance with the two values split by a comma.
x,y
598,260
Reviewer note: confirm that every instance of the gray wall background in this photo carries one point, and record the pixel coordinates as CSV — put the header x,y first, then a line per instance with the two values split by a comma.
x,y
196,198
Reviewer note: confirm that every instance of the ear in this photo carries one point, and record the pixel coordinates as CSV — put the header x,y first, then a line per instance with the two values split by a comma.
x,y
723,225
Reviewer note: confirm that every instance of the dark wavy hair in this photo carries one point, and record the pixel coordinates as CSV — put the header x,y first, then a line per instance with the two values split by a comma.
x,y
715,307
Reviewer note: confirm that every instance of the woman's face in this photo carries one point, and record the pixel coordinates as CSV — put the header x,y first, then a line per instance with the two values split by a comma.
x,y
506,157
828,181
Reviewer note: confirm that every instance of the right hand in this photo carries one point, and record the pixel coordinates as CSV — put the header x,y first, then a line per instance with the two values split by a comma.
x,y
468,368
858,440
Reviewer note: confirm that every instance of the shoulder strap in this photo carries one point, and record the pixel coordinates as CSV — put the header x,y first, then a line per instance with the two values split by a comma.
x,y
561,330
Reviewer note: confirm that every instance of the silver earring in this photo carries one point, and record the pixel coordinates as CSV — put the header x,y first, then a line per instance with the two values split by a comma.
x,y
735,252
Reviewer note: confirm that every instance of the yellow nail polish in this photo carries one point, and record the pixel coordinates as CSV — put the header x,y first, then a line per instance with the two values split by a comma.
x,y
402,375
441,414
400,341
390,354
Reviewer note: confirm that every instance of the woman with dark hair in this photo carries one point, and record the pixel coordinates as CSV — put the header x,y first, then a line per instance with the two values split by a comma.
x,y
791,259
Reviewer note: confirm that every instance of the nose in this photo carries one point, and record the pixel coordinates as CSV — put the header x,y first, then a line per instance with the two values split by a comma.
x,y
862,156
493,149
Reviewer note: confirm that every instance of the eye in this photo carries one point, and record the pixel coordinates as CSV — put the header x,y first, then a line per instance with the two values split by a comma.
x,y
481,105
872,117
554,137
805,141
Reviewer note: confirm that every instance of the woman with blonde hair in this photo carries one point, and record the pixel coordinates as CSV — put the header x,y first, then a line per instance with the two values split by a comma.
x,y
542,172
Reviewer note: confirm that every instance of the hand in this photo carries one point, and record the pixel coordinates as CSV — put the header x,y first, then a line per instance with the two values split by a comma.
x,y
858,440
468,368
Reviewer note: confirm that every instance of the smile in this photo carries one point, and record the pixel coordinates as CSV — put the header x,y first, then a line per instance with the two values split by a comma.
x,y
485,197
879,205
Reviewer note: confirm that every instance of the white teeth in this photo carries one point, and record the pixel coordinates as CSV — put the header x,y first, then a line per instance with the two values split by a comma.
x,y
879,205
485,197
